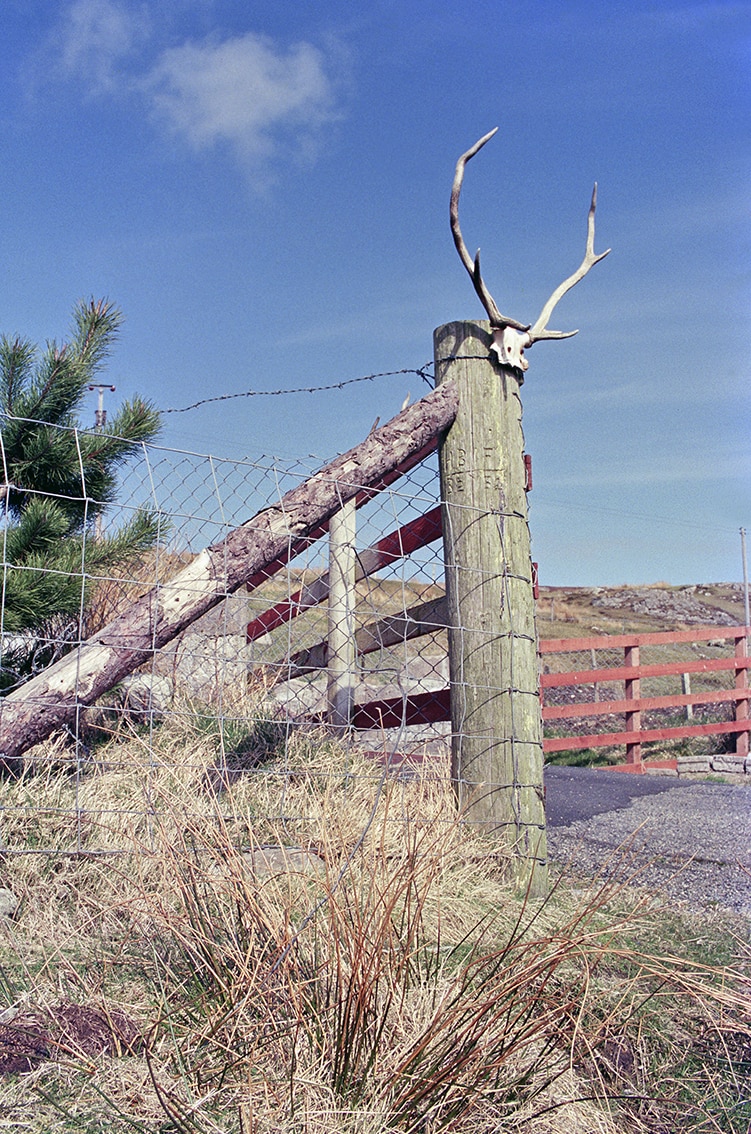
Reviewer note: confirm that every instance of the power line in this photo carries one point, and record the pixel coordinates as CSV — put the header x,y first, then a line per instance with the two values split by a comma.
x,y
421,372
621,513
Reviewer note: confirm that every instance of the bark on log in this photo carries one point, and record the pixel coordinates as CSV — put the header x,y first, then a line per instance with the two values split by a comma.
x,y
248,555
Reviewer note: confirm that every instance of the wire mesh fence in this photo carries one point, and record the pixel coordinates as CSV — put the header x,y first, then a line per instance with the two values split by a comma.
x,y
215,702
246,687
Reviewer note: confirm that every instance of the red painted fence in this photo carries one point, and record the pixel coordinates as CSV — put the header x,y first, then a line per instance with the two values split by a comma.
x,y
425,708
632,705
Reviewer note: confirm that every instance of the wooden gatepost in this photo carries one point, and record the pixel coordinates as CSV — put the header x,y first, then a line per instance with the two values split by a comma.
x,y
496,722
497,754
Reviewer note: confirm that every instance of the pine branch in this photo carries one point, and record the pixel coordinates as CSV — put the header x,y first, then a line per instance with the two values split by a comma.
x,y
57,479
16,360
142,532
42,527
136,421
97,324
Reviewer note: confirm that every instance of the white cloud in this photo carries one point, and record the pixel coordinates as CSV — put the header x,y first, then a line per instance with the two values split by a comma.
x,y
242,91
246,92
94,38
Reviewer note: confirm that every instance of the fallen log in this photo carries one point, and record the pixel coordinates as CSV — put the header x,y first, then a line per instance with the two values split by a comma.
x,y
248,555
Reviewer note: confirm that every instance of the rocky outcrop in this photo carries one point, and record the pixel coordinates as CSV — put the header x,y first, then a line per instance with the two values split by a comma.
x,y
664,605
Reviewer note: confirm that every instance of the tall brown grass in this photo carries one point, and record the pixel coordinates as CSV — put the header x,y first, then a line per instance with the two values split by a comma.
x,y
384,978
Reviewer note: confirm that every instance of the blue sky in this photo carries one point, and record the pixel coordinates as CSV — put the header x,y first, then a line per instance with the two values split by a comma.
x,y
263,187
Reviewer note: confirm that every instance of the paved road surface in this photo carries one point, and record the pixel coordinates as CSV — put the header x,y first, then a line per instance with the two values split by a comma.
x,y
693,839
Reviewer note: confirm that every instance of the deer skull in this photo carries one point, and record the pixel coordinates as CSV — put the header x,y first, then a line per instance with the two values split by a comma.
x,y
508,347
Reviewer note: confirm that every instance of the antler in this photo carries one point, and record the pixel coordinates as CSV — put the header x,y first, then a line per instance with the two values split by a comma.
x,y
512,350
539,329
473,267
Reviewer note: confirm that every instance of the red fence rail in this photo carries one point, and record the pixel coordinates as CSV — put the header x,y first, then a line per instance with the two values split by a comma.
x,y
411,537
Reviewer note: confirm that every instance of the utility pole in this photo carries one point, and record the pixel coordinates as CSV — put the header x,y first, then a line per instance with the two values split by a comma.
x,y
747,621
100,420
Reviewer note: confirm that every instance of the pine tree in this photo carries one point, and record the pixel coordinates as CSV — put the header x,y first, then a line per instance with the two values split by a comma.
x,y
56,481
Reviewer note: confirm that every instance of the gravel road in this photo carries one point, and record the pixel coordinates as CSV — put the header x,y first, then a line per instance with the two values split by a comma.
x,y
691,840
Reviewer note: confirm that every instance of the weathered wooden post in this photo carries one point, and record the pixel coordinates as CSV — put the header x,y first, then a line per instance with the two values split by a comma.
x,y
742,704
496,722
632,692
342,650
497,759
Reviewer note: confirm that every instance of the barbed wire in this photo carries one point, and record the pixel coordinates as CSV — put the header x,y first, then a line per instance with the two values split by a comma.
x,y
421,372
